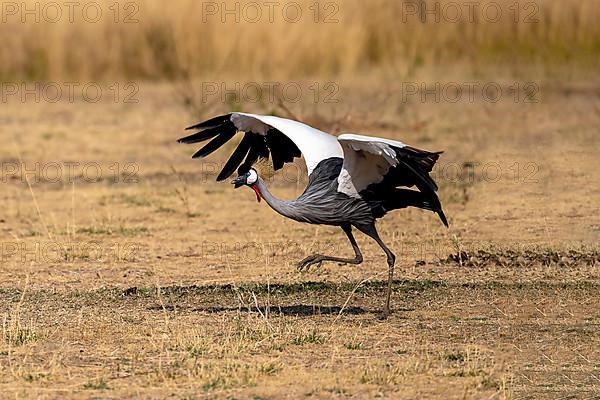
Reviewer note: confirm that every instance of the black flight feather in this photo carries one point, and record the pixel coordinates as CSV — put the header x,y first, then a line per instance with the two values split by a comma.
x,y
258,150
236,157
217,142
423,181
211,123
206,134
252,146
282,149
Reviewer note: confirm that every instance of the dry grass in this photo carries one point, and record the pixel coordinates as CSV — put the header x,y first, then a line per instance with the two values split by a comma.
x,y
174,285
184,40
153,281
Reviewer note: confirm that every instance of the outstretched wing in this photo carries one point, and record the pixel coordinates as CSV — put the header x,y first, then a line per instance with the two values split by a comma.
x,y
374,167
281,139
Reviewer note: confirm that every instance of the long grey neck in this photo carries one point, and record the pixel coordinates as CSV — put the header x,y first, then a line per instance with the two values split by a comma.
x,y
283,207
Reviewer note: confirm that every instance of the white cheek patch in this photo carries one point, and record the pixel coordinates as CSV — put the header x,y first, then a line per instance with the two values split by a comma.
x,y
252,177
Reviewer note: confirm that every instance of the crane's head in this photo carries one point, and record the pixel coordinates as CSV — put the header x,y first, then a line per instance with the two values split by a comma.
x,y
248,179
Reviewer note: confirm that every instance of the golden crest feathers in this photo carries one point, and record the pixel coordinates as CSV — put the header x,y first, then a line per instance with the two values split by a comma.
x,y
264,167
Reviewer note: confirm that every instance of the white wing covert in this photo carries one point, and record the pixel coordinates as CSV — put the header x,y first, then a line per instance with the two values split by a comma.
x,y
376,163
367,160
281,139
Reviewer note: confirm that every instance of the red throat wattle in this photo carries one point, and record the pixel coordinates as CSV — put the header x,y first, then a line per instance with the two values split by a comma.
x,y
258,197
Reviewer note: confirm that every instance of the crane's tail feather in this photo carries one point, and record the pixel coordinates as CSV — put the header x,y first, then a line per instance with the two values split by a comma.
x,y
402,198
442,216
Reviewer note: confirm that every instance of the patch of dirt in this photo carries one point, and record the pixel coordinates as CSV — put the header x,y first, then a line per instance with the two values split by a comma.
x,y
525,258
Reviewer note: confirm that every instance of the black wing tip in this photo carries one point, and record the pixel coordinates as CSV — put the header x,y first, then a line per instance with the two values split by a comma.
x,y
195,138
195,126
443,218
209,123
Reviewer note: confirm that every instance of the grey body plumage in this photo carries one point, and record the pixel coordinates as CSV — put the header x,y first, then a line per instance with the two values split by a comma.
x,y
353,179
321,203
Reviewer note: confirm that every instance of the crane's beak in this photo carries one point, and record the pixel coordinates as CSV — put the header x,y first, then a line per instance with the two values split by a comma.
x,y
239,181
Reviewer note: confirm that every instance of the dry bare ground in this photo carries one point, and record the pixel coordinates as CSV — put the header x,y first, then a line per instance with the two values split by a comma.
x,y
132,274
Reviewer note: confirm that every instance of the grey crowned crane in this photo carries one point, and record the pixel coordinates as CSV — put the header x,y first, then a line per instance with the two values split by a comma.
x,y
352,180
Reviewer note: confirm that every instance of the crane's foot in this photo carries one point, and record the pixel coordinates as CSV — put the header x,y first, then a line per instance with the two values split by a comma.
x,y
305,264
386,310
384,314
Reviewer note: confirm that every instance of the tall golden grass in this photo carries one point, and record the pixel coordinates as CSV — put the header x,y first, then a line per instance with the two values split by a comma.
x,y
183,38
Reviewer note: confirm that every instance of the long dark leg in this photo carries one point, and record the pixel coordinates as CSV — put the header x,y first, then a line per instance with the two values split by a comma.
x,y
318,258
391,259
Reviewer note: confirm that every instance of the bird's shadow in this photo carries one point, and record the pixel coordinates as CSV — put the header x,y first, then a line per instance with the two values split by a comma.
x,y
293,310
299,310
